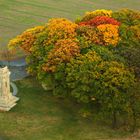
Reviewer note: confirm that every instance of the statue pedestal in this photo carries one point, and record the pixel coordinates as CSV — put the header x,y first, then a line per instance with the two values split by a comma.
x,y
7,103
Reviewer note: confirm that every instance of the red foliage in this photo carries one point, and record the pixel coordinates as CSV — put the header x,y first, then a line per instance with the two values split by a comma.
x,y
100,20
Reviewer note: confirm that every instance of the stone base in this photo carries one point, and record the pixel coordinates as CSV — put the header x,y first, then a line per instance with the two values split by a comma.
x,y
46,87
7,103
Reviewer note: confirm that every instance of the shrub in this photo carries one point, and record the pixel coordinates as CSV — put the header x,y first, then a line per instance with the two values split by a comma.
x,y
129,47
60,28
87,36
63,51
93,63
91,79
93,14
127,16
105,34
99,20
26,39
102,30
108,34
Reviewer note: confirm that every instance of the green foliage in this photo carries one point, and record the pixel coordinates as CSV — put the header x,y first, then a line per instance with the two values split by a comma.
x,y
93,80
104,52
82,73
41,116
127,16
96,66
129,47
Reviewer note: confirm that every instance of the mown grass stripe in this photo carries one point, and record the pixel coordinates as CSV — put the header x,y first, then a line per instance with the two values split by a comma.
x,y
18,15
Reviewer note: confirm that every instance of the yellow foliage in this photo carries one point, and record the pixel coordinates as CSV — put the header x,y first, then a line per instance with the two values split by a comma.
x,y
60,28
105,34
102,12
26,39
63,51
108,34
89,35
136,30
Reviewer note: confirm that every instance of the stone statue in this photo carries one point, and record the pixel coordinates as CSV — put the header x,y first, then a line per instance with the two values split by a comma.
x,y
7,100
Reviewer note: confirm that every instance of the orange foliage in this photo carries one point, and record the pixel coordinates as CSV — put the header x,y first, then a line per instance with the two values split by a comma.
x,y
26,39
108,34
62,53
60,28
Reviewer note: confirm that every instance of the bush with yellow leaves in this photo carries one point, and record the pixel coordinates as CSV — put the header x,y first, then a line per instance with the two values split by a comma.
x,y
85,62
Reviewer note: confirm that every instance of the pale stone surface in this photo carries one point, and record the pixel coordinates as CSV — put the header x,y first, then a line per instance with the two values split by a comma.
x,y
7,100
14,87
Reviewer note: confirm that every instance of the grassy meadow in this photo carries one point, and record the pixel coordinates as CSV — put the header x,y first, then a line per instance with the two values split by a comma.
x,y
40,116
18,15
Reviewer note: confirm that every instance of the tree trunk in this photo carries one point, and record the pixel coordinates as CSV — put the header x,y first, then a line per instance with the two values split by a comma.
x,y
114,120
134,122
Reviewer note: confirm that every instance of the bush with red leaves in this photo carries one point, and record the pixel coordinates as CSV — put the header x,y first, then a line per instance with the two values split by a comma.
x,y
100,20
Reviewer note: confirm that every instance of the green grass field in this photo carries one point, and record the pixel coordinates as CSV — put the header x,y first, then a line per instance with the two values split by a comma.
x,y
18,15
40,116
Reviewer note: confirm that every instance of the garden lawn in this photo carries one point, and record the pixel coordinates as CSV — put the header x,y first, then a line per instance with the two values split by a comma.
x,y
18,15
40,116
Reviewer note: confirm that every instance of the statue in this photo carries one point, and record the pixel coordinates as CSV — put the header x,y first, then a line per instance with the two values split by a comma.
x,y
7,100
